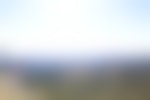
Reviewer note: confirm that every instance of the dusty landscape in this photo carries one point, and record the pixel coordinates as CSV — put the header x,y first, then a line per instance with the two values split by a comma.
x,y
113,87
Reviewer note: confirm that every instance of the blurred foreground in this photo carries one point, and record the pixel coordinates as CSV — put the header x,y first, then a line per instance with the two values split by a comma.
x,y
103,78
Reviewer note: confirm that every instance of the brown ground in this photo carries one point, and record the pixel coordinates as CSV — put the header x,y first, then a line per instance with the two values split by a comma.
x,y
10,89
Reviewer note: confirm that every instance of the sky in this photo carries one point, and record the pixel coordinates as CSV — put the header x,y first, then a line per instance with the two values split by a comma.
x,y
74,25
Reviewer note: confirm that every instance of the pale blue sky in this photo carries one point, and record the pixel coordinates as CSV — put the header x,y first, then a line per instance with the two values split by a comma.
x,y
62,25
